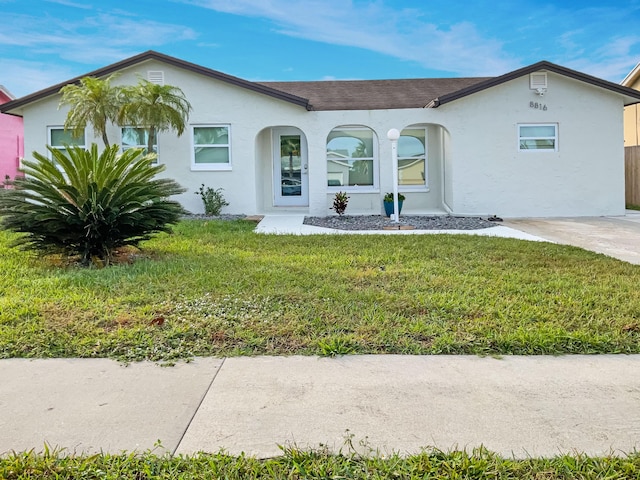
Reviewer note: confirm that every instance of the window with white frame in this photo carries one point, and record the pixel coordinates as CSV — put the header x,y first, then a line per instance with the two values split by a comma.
x,y
211,147
59,138
352,159
532,137
412,153
138,137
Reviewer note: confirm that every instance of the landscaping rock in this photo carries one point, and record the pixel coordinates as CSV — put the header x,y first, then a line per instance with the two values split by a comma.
x,y
419,222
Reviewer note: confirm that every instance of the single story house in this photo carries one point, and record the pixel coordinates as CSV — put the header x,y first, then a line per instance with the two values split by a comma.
x,y
11,141
543,140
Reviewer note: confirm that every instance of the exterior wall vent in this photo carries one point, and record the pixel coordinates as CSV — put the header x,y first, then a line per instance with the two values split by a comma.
x,y
156,76
538,80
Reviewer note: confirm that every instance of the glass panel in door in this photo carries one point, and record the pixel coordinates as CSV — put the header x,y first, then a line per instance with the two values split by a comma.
x,y
290,166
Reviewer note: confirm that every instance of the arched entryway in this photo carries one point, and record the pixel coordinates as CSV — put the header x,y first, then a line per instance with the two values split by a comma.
x,y
290,168
282,168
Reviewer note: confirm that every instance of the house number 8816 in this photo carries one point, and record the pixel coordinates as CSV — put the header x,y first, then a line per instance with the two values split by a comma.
x,y
538,106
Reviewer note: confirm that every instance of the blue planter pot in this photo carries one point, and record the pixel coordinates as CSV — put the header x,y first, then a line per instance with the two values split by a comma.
x,y
388,207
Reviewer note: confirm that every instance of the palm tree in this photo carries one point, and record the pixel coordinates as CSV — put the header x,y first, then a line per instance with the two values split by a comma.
x,y
81,202
156,108
93,101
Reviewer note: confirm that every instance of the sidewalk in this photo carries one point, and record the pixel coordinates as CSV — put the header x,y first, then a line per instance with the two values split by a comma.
x,y
516,405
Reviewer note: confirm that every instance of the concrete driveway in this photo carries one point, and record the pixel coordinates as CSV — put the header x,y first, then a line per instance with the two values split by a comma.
x,y
617,237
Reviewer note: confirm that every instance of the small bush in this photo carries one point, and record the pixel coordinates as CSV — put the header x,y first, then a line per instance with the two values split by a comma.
x,y
340,201
79,202
213,200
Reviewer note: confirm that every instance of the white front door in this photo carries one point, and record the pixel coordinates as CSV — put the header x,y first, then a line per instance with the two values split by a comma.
x,y
290,168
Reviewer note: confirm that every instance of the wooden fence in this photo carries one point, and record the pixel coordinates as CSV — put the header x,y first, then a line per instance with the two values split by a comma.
x,y
632,175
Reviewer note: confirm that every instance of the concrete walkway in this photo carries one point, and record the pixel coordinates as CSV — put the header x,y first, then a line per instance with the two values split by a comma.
x,y
520,406
293,225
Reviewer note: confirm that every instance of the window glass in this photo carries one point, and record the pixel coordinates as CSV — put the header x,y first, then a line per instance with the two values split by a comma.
x,y
136,137
59,137
538,137
211,135
351,158
211,147
538,131
211,155
412,157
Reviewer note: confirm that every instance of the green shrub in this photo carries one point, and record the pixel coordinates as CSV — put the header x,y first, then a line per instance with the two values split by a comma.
x,y
83,203
213,200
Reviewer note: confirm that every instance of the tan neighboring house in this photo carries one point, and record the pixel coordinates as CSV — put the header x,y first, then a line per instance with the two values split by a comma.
x,y
632,112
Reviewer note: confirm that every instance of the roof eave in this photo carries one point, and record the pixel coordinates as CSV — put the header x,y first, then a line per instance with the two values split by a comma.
x,y
631,96
153,55
631,77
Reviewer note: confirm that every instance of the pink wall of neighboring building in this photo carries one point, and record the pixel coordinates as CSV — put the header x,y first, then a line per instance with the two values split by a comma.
x,y
11,140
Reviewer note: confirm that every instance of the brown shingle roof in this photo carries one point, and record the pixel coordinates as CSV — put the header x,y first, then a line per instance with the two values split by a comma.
x,y
346,94
373,94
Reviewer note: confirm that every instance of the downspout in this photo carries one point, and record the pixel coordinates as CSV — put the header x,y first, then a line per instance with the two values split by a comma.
x,y
447,208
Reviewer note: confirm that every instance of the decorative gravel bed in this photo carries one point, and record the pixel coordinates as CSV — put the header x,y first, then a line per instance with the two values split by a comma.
x,y
418,222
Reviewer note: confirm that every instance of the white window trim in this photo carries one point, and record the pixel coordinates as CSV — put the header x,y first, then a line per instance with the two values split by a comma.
x,y
425,186
60,147
122,149
210,166
375,188
537,150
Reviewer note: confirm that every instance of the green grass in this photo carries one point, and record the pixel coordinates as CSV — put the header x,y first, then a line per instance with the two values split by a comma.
x,y
216,288
295,464
630,206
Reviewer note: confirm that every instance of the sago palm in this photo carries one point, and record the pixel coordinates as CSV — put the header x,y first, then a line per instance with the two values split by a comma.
x,y
88,204
155,107
93,101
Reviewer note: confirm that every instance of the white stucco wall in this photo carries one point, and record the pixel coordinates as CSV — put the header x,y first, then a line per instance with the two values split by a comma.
x,y
584,177
473,159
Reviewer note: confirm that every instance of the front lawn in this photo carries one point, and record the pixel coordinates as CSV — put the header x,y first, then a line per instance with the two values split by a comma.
x,y
216,288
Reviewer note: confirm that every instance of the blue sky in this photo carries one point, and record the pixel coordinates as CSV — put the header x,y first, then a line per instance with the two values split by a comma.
x,y
43,42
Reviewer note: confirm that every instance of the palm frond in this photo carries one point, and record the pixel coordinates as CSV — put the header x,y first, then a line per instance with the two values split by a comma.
x,y
86,203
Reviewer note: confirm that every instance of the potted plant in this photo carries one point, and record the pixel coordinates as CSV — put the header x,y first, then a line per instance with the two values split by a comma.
x,y
388,203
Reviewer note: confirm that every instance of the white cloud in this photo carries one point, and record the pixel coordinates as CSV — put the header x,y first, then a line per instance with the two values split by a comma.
x,y
23,77
95,39
399,33
613,59
566,34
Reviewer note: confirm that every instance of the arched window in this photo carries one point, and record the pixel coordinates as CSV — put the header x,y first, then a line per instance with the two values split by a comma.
x,y
352,158
412,153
